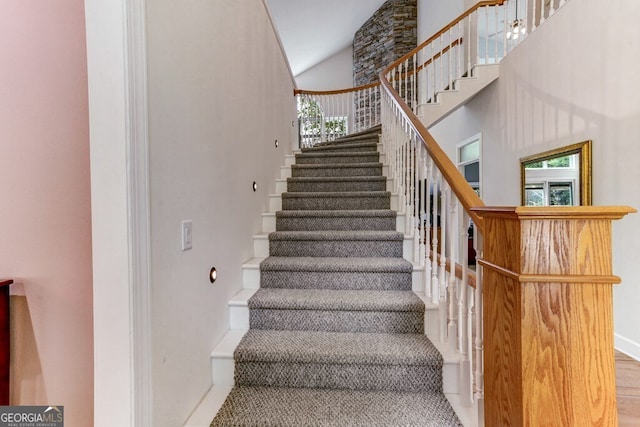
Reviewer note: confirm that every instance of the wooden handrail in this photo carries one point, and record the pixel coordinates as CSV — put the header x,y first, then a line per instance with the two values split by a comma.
x,y
334,92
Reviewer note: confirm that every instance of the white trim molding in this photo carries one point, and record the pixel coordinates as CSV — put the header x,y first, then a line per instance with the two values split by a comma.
x,y
117,84
139,215
627,346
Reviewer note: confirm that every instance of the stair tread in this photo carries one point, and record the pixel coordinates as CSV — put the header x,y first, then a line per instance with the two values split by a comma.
x,y
357,178
342,300
315,264
336,213
313,155
288,406
335,194
362,235
337,348
337,165
364,144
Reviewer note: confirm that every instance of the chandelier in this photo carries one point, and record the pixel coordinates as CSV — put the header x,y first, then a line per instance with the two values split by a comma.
x,y
516,27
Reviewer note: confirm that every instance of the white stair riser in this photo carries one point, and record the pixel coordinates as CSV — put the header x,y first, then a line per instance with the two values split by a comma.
x,y
261,246
450,376
417,284
281,186
431,323
289,159
285,172
275,203
268,223
407,248
222,370
394,202
239,318
250,278
400,222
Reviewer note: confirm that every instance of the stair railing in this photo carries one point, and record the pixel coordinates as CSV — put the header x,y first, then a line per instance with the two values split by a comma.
x,y
476,37
433,193
327,115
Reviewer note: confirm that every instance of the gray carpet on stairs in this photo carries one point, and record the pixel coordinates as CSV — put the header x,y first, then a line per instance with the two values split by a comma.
x,y
345,183
296,407
336,335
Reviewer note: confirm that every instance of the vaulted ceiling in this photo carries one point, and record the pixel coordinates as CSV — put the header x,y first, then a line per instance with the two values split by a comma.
x,y
314,30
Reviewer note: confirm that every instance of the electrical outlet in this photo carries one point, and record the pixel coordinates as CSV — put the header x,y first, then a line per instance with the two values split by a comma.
x,y
187,235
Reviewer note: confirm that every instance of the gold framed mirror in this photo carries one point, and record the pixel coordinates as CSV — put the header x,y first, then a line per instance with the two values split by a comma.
x,y
559,177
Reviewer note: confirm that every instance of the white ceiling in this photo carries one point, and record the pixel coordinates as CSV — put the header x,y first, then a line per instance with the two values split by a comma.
x,y
314,30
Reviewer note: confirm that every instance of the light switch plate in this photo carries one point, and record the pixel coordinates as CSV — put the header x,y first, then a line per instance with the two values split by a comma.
x,y
187,236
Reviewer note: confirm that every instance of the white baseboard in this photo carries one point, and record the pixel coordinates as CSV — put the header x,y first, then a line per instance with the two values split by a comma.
x,y
627,346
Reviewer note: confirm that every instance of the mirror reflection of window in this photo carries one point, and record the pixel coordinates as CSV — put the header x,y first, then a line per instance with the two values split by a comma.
x,y
549,194
552,182
558,177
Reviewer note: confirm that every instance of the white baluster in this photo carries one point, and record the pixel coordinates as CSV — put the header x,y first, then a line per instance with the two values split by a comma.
x,y
452,324
416,200
414,78
552,7
479,333
496,55
433,73
459,49
486,34
442,274
441,62
449,62
470,41
435,282
427,231
465,305
534,5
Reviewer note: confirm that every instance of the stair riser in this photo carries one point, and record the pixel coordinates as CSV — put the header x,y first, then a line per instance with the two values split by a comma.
x,y
340,376
337,321
336,280
332,248
294,187
332,171
336,203
331,223
302,159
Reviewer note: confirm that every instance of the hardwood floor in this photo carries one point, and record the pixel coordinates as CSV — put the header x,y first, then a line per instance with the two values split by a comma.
x,y
628,390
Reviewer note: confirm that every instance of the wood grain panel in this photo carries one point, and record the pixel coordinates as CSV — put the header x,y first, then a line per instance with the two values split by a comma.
x,y
549,344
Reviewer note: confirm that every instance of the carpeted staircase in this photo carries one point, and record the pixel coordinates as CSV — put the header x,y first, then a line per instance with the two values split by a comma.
x,y
336,335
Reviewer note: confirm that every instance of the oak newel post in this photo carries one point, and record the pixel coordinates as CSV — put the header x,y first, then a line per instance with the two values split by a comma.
x,y
548,321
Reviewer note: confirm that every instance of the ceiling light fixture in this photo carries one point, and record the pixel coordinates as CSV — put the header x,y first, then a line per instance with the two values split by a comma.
x,y
516,27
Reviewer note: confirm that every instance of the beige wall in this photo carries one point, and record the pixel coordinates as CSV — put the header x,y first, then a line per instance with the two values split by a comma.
x,y
45,223
220,94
